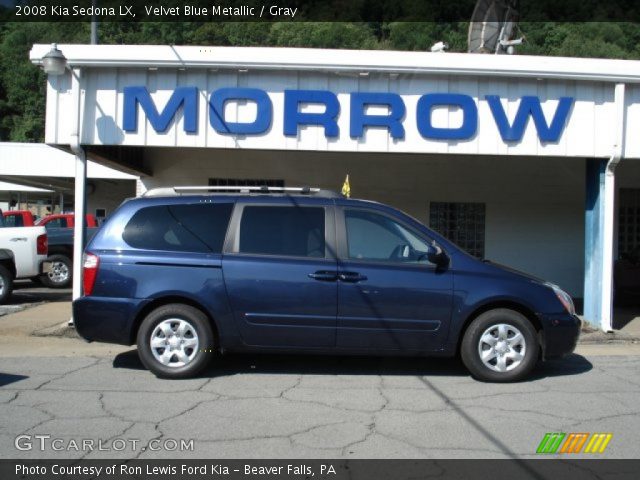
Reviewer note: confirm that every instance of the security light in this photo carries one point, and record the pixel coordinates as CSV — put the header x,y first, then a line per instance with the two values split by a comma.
x,y
54,62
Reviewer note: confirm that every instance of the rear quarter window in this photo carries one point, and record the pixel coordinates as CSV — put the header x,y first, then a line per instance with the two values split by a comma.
x,y
183,228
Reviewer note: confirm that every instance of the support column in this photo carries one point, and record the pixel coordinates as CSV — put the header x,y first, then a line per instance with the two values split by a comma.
x,y
594,240
79,208
600,223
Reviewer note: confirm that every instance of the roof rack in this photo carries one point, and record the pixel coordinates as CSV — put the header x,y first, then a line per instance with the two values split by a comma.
x,y
181,190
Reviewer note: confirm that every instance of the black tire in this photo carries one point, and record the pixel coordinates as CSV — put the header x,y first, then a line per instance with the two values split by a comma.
x,y
502,351
6,284
199,357
62,276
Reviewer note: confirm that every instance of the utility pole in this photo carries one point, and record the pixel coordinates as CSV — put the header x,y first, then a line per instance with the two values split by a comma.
x,y
94,24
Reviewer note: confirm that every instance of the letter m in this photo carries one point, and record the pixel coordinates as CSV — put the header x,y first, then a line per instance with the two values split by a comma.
x,y
185,97
530,106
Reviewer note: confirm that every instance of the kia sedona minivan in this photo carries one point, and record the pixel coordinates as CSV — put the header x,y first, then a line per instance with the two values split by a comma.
x,y
188,273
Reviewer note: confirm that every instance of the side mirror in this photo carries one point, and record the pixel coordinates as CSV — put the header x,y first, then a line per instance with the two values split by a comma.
x,y
436,255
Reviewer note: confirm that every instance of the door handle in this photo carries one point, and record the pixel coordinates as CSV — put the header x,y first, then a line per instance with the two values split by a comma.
x,y
18,239
351,277
324,276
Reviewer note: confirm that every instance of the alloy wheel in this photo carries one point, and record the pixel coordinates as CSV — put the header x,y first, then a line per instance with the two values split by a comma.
x,y
174,342
59,272
502,347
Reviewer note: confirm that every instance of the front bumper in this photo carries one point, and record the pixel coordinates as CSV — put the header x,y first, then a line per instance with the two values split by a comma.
x,y
560,334
104,319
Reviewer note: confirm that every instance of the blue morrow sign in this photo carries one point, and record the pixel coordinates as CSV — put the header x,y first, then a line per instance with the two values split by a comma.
x,y
187,99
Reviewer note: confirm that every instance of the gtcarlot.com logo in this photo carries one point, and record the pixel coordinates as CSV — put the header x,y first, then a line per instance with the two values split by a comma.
x,y
45,442
574,443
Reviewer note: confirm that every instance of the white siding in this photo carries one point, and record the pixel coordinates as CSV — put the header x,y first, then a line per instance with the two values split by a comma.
x,y
39,160
588,132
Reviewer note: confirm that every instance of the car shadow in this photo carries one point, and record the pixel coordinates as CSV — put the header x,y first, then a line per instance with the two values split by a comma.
x,y
572,364
8,378
128,360
233,364
29,292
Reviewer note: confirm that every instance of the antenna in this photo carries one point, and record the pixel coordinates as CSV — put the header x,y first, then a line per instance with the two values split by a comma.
x,y
493,27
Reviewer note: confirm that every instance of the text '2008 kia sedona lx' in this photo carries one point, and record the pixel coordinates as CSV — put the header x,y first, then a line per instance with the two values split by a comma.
x,y
186,273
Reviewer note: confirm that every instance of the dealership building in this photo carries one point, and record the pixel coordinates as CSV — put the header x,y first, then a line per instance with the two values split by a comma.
x,y
39,178
527,161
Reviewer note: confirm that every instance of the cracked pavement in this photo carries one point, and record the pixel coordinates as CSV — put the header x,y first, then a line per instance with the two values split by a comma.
x,y
257,406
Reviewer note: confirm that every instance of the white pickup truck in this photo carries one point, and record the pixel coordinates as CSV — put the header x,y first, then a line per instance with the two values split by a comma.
x,y
22,253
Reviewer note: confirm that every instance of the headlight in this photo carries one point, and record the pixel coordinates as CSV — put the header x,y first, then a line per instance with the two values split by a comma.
x,y
564,297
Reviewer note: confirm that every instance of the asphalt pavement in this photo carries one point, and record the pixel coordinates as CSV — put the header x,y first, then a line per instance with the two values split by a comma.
x,y
64,398
312,407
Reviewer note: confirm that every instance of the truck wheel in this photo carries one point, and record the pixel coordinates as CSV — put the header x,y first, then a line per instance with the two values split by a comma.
x,y
6,284
175,341
61,272
500,346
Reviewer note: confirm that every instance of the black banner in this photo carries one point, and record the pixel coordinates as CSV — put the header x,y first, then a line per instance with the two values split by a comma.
x,y
319,469
319,10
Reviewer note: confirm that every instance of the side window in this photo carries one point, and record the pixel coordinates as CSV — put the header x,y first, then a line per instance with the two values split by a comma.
x,y
288,231
12,221
371,236
182,228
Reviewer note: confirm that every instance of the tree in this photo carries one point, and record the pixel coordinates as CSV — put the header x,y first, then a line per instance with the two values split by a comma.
x,y
22,85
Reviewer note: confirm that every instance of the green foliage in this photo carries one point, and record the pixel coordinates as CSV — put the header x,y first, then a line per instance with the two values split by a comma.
x,y
421,36
22,85
246,34
322,35
589,39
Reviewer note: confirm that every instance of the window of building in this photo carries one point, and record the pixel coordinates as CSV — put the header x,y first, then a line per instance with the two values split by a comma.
x,y
628,221
183,228
286,231
375,237
462,223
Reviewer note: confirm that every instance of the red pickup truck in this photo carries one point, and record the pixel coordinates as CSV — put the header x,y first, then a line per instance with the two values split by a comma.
x,y
24,218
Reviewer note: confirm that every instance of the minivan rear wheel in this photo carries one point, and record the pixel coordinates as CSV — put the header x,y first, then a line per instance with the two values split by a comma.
x,y
500,345
175,341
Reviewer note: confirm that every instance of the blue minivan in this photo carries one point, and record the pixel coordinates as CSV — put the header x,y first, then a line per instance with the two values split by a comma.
x,y
188,273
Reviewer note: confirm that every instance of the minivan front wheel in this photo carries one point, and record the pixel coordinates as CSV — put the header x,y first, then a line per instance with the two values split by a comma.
x,y
500,346
175,341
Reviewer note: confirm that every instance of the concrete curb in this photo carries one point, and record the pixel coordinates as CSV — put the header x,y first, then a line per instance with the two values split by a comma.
x,y
60,330
607,338
9,309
